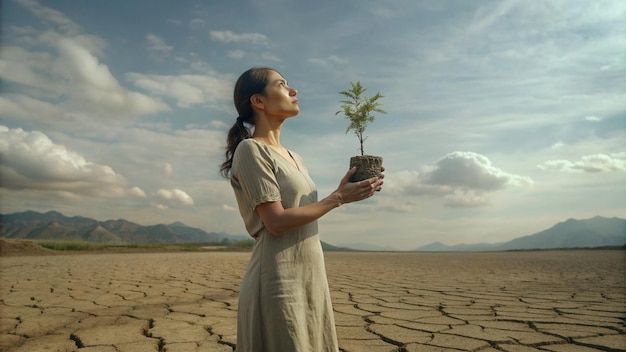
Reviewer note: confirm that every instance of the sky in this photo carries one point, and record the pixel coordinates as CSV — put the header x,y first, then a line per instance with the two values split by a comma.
x,y
503,117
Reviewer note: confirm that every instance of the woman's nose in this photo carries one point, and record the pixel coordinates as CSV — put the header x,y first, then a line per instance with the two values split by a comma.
x,y
293,92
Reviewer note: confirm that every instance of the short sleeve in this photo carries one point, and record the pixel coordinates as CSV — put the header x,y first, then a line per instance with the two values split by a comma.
x,y
254,170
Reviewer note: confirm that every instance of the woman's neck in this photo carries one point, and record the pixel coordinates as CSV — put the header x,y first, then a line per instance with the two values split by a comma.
x,y
267,133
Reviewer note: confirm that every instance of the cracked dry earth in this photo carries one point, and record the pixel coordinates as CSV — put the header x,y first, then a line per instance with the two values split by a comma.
x,y
560,301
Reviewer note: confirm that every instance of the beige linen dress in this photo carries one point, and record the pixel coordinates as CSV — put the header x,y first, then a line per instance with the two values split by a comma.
x,y
284,301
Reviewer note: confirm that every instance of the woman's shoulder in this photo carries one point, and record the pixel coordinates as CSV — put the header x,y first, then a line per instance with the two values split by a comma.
x,y
249,146
249,143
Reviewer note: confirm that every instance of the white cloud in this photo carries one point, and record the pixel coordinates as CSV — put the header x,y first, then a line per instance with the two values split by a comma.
x,y
197,65
588,163
30,160
62,22
461,179
593,118
220,125
137,192
228,207
176,195
187,90
60,27
157,45
32,71
465,199
94,84
159,206
69,78
398,207
468,170
231,37
557,145
24,107
331,59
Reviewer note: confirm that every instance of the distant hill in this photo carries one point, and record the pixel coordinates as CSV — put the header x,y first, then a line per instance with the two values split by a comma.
x,y
56,226
360,246
589,233
330,248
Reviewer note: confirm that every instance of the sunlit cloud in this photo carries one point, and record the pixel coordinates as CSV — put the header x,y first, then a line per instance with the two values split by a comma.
x,y
187,89
471,171
331,59
69,79
461,179
159,206
31,161
232,37
593,118
157,46
594,163
557,145
176,195
137,192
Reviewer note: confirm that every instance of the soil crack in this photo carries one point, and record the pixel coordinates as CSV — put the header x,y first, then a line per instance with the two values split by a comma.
x,y
77,341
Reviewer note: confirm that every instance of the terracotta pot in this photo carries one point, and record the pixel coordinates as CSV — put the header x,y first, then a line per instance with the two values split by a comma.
x,y
367,166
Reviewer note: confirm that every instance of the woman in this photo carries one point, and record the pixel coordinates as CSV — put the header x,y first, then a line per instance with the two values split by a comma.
x,y
284,301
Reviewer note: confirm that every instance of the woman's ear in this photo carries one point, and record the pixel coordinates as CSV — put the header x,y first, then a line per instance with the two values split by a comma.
x,y
257,101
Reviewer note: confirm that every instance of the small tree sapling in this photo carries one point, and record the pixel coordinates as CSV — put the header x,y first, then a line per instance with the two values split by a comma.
x,y
358,109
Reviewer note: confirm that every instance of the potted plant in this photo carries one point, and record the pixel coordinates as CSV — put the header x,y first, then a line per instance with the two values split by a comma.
x,y
358,109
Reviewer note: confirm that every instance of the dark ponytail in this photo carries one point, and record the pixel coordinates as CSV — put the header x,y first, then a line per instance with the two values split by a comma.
x,y
249,83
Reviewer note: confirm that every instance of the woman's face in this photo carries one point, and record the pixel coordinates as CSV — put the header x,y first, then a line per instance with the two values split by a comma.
x,y
279,100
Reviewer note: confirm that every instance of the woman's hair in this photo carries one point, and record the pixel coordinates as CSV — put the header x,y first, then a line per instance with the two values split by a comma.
x,y
249,83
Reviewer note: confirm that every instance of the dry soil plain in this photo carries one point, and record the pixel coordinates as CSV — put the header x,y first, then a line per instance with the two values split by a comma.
x,y
562,301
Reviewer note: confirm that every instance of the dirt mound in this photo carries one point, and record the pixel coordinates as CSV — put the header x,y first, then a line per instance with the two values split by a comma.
x,y
14,247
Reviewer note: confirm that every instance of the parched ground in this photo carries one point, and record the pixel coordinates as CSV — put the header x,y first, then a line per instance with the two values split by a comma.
x,y
560,301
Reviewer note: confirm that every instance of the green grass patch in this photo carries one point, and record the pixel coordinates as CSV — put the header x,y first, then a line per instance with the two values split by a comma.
x,y
72,245
77,245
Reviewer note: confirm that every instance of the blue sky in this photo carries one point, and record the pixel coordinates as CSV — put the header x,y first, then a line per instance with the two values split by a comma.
x,y
504,117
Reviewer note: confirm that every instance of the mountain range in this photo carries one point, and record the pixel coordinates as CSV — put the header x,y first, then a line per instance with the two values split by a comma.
x,y
56,226
589,233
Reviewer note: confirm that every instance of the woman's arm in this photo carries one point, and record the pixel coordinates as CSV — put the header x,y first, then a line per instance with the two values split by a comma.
x,y
279,220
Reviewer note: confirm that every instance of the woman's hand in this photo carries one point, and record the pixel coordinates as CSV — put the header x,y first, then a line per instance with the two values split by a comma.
x,y
349,192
